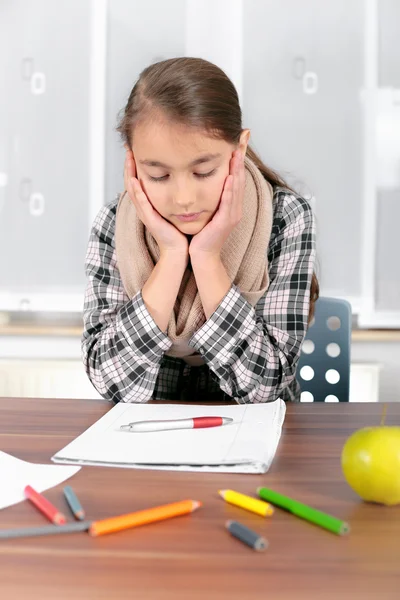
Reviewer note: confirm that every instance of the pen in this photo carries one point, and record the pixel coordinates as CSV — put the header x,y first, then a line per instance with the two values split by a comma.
x,y
194,423
305,512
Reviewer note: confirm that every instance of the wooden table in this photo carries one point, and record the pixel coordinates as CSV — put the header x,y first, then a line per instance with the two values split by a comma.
x,y
194,557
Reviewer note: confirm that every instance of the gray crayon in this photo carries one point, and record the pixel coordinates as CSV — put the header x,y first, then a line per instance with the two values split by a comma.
x,y
246,535
6,534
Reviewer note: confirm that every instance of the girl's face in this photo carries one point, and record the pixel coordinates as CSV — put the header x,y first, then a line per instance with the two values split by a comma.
x,y
182,171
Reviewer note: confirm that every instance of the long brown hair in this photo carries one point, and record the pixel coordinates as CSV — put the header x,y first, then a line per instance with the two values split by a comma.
x,y
196,93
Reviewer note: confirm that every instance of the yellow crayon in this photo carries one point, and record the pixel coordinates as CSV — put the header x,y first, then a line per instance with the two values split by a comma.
x,y
247,502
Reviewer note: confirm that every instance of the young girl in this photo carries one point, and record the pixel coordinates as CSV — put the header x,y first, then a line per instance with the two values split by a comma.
x,y
200,275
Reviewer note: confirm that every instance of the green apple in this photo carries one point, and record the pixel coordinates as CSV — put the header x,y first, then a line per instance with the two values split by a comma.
x,y
371,464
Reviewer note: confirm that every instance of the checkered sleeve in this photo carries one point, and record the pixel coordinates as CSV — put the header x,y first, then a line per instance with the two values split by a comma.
x,y
254,350
122,346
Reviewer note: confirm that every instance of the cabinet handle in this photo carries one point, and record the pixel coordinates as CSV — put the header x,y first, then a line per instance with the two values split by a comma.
x,y
310,82
38,83
25,187
36,205
27,68
299,65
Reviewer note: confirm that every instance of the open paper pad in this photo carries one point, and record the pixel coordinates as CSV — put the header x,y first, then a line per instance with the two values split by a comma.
x,y
247,445
16,474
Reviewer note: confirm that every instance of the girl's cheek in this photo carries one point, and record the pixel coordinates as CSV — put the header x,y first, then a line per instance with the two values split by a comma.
x,y
157,200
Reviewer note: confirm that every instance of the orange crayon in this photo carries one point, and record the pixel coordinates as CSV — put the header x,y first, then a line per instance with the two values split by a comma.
x,y
143,517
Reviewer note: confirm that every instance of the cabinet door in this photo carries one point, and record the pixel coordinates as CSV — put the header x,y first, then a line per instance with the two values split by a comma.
x,y
44,139
139,34
387,271
302,76
364,382
45,379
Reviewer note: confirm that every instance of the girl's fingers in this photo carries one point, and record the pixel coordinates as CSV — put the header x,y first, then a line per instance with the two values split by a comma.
x,y
227,185
234,187
227,197
238,190
129,171
242,174
134,191
144,208
130,165
133,164
242,180
139,194
234,170
236,175
141,201
126,178
127,175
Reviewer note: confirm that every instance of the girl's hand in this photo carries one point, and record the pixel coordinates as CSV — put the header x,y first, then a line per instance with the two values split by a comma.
x,y
169,239
209,241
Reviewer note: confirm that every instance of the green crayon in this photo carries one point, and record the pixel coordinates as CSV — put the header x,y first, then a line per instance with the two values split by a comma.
x,y
304,512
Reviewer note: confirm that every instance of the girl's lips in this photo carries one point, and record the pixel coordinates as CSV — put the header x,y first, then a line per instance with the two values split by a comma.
x,y
188,217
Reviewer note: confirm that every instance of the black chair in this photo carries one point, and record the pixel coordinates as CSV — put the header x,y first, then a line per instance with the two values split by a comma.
x,y
323,370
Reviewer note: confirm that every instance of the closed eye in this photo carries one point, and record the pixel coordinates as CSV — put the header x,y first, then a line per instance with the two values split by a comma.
x,y
200,175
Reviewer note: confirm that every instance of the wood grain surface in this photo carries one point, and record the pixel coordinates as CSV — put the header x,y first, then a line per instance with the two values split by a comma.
x,y
194,557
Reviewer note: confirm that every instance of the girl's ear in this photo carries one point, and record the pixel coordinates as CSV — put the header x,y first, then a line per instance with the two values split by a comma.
x,y
244,140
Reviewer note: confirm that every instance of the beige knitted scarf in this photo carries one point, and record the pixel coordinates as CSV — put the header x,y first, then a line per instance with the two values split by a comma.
x,y
244,256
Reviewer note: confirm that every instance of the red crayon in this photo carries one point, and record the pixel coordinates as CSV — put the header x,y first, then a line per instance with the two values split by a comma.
x,y
45,507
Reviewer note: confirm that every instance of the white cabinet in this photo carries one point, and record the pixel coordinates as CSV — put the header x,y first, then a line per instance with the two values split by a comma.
x,y
45,379
51,137
364,382
41,378
319,86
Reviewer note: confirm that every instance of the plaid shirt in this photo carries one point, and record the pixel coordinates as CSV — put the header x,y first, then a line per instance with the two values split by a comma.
x,y
250,352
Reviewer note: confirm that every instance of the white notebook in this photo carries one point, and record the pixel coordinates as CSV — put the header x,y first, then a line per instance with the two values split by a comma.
x,y
247,445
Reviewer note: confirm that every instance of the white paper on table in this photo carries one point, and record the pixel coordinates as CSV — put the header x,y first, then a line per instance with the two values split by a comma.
x,y
16,474
247,445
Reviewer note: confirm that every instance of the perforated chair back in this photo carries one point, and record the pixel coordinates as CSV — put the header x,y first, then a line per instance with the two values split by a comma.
x,y
323,370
